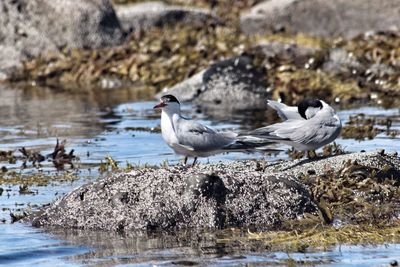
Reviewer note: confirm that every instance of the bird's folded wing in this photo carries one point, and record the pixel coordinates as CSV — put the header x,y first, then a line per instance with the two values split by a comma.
x,y
200,137
290,130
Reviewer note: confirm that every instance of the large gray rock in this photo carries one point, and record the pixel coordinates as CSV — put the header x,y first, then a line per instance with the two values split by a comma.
x,y
220,195
236,80
321,17
142,16
230,194
186,90
233,84
28,28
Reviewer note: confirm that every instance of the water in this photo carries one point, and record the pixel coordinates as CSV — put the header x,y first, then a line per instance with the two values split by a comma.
x,y
100,123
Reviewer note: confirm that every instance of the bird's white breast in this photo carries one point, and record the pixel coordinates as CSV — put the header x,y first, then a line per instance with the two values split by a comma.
x,y
167,129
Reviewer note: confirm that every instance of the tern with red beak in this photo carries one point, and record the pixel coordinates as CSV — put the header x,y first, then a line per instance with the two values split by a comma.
x,y
192,139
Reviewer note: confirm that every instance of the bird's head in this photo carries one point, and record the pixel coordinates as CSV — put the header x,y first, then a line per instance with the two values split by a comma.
x,y
307,108
168,103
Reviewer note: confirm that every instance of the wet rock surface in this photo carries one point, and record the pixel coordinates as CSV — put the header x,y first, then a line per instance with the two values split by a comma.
x,y
322,18
231,84
186,90
234,84
28,28
221,195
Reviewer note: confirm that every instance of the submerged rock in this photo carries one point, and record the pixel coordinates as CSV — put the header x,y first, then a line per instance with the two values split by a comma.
x,y
216,196
28,28
321,17
142,16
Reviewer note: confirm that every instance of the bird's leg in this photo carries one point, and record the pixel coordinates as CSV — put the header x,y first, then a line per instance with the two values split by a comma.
x,y
185,160
264,165
311,154
194,161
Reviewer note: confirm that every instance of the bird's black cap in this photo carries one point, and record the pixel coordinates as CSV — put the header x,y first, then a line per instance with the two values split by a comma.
x,y
305,104
169,98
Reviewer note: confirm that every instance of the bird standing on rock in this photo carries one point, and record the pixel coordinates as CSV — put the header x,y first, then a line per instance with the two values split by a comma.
x,y
307,127
192,139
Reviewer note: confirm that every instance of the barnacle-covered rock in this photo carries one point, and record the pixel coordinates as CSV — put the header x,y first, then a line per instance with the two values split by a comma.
x,y
205,196
358,187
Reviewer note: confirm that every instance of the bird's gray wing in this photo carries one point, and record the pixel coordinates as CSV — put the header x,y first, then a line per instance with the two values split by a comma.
x,y
194,135
289,130
303,132
285,112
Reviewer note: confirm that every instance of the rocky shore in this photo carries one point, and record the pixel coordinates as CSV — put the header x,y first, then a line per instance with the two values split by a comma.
x,y
349,188
349,57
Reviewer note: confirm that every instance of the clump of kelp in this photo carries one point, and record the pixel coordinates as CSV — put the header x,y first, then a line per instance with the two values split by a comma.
x,y
327,151
157,58
361,127
357,205
37,179
110,165
30,158
319,237
162,57
356,194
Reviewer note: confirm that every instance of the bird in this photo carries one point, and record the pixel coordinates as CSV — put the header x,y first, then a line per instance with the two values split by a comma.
x,y
306,127
192,139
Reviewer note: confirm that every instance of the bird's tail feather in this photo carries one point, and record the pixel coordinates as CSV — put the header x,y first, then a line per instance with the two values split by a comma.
x,y
250,144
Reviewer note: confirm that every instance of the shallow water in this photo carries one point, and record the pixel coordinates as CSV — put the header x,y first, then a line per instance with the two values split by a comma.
x,y
99,123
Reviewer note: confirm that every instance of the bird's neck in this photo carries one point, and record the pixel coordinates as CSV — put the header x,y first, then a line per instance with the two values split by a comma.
x,y
168,127
170,113
167,118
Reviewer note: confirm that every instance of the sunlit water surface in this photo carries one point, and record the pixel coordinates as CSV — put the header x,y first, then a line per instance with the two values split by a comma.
x,y
97,124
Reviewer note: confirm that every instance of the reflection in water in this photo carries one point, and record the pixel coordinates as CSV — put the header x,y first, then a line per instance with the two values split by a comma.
x,y
42,113
26,246
209,248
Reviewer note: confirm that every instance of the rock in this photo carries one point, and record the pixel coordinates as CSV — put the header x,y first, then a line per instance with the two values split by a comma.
x,y
234,84
299,55
221,195
142,16
28,28
379,71
322,18
232,79
341,62
186,90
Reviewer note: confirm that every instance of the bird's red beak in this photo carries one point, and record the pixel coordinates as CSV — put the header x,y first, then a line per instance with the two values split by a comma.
x,y
159,105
